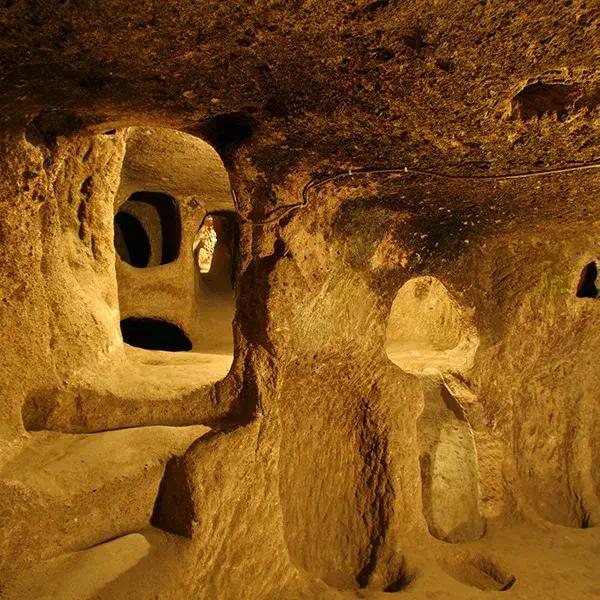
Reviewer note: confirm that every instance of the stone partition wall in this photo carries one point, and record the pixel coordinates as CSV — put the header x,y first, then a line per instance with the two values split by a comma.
x,y
59,310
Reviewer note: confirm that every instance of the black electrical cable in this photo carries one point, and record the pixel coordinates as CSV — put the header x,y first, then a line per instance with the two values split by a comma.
x,y
314,183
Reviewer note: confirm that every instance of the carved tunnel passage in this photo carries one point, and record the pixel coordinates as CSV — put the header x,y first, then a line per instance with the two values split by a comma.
x,y
154,334
171,182
131,240
148,229
587,288
429,334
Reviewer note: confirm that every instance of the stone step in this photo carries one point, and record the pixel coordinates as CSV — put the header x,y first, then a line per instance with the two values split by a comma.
x,y
80,575
144,565
65,492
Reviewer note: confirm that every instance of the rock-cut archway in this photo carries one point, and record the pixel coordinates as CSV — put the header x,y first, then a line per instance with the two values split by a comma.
x,y
430,335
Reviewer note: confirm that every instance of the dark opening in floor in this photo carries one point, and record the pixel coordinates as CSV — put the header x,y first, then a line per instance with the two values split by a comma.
x,y
159,216
402,581
154,334
479,572
586,288
131,240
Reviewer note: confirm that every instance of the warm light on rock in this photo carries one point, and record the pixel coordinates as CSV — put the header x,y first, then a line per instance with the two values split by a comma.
x,y
299,300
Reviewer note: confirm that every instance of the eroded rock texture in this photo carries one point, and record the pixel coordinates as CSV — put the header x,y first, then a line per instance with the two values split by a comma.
x,y
298,300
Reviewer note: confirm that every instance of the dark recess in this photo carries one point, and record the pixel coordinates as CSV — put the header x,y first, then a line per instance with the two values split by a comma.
x,y
49,124
511,581
539,99
173,508
403,580
154,334
227,131
170,221
131,240
586,288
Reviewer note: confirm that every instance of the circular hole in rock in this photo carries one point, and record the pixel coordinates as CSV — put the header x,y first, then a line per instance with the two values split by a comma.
x,y
479,572
149,232
154,334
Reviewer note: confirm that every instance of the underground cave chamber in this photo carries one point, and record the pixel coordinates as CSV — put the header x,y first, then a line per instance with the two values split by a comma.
x,y
96,478
110,446
111,443
430,335
168,299
298,300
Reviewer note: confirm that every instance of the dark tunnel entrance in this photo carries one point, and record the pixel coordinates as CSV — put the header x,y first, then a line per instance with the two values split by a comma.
x,y
154,334
131,240
586,288
148,229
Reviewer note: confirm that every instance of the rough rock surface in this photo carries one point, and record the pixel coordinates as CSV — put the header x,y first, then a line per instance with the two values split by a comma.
x,y
412,403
